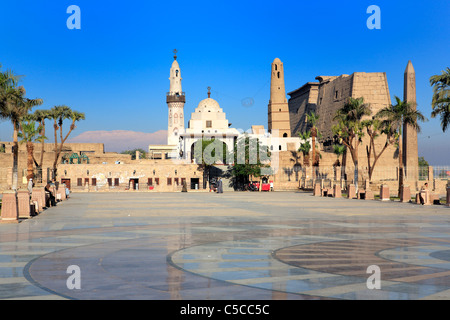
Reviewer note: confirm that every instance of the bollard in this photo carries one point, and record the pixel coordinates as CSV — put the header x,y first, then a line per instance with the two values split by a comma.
x,y
10,211
23,204
337,191
369,194
384,193
317,192
351,191
405,194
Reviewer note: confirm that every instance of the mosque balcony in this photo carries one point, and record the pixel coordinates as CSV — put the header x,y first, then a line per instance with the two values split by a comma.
x,y
175,97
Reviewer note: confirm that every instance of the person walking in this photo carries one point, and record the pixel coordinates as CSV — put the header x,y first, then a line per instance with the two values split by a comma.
x,y
220,186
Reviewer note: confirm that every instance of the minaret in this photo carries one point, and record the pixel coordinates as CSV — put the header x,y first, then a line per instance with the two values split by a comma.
x,y
278,114
410,149
175,101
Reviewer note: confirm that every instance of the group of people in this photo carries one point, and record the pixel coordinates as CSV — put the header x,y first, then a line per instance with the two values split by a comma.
x,y
50,188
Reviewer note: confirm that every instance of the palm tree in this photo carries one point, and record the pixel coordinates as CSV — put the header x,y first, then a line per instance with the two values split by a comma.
x,y
15,107
29,134
396,117
376,128
40,116
59,114
441,98
349,127
312,119
305,146
338,150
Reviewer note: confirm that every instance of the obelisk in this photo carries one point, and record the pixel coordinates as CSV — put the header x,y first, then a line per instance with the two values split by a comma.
x,y
410,149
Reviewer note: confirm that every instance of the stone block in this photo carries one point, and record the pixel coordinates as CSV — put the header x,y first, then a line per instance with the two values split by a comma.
x,y
337,191
425,196
317,191
10,211
23,204
38,195
35,207
384,193
351,189
405,194
369,194
62,192
418,198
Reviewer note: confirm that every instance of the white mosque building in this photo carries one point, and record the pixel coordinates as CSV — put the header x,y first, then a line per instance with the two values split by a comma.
x,y
208,121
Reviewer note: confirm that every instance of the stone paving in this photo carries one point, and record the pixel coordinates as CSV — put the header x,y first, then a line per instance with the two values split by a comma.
x,y
236,245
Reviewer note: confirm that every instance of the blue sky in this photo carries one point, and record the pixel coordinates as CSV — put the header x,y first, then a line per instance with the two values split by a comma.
x,y
116,68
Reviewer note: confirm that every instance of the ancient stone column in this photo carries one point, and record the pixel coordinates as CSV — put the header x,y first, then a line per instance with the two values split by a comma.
x,y
10,211
23,204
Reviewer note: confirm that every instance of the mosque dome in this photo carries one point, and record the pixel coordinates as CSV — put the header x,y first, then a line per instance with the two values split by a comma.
x,y
208,104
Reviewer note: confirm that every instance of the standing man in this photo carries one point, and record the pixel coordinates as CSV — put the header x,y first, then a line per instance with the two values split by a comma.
x,y
219,187
30,186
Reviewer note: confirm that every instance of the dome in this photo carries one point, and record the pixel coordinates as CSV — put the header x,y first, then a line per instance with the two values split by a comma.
x,y
208,104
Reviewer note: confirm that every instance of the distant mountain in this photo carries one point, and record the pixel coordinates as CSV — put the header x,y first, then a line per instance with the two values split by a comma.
x,y
121,140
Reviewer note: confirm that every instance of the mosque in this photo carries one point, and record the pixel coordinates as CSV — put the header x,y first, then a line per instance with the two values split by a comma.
x,y
209,121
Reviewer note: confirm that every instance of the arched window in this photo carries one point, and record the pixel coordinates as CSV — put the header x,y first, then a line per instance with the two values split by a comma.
x,y
176,73
285,135
278,74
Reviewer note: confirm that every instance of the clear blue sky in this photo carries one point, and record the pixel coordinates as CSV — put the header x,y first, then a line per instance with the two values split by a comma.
x,y
116,68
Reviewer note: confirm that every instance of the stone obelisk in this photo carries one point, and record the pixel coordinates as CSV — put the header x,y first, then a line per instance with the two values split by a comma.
x,y
410,149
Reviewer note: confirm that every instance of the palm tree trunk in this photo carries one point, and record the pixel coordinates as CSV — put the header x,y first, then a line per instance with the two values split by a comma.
x,y
15,149
313,135
30,162
400,165
344,164
55,126
41,161
355,161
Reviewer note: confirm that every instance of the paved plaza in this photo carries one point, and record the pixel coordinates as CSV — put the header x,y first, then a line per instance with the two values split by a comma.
x,y
237,245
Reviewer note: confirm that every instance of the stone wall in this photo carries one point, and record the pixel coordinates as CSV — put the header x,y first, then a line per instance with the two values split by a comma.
x,y
143,175
303,101
330,94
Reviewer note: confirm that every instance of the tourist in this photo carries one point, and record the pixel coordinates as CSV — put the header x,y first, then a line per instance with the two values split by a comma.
x,y
30,186
66,190
51,199
219,186
423,189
